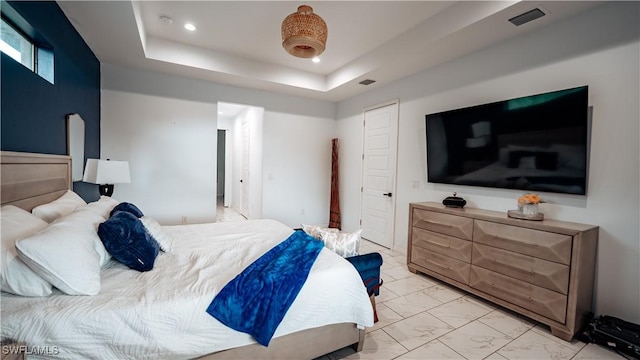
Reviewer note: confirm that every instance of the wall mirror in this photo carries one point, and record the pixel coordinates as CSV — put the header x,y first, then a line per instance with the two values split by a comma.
x,y
75,145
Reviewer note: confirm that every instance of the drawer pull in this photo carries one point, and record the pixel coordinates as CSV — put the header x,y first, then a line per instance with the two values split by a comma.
x,y
441,245
529,272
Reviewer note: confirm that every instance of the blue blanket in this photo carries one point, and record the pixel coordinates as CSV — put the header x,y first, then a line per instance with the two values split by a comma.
x,y
256,301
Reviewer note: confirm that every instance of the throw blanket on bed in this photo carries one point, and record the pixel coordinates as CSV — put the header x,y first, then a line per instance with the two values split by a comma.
x,y
256,301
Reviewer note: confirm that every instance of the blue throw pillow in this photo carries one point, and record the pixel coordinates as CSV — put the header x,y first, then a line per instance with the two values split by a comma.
x,y
128,207
126,239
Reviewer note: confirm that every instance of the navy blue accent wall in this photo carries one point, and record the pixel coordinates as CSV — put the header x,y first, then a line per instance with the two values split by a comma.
x,y
33,111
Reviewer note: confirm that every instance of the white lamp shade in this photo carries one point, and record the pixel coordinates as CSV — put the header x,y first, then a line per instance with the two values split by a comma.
x,y
106,172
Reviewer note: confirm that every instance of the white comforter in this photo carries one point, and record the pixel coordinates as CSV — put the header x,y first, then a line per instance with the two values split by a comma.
x,y
161,314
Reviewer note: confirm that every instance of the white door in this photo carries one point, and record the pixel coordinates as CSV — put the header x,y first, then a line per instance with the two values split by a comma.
x,y
244,169
379,173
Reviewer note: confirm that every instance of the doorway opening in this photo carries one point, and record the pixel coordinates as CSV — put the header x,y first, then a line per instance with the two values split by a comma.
x,y
239,157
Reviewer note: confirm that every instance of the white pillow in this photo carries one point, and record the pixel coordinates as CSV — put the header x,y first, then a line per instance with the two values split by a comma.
x,y
155,230
17,277
66,253
342,243
103,206
62,206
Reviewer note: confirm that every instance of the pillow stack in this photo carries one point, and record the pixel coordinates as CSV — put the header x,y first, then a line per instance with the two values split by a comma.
x,y
66,253
66,243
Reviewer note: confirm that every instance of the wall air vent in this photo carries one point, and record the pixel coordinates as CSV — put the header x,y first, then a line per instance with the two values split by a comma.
x,y
367,82
526,17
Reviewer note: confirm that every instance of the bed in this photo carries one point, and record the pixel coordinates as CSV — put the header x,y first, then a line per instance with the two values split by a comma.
x,y
160,314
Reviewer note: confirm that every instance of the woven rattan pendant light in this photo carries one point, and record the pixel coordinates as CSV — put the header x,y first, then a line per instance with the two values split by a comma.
x,y
304,34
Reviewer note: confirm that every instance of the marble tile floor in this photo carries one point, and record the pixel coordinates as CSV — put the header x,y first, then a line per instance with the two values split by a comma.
x,y
421,318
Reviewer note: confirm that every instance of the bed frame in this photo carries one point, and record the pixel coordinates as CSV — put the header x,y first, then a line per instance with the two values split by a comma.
x,y
28,180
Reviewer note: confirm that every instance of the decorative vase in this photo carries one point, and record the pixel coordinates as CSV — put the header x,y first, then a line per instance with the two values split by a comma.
x,y
528,209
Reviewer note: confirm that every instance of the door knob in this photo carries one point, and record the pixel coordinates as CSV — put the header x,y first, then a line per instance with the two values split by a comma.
x,y
387,194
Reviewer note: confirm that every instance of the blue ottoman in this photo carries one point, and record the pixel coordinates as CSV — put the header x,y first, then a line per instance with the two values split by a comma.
x,y
368,265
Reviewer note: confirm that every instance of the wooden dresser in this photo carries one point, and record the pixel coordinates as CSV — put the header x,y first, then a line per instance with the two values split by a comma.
x,y
540,269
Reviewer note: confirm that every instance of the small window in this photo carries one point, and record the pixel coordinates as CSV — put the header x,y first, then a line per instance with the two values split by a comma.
x,y
16,45
44,65
20,48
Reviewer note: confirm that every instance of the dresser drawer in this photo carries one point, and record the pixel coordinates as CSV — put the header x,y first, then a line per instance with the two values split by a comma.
x,y
453,225
541,301
442,264
442,244
549,275
541,244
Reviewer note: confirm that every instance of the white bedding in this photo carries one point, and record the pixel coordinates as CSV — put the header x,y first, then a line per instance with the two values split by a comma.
x,y
161,314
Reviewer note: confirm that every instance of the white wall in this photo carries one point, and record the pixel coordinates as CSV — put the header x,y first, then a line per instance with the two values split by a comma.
x,y
149,117
168,143
297,168
599,48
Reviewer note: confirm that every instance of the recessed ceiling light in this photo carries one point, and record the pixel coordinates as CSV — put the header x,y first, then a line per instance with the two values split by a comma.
x,y
190,27
316,59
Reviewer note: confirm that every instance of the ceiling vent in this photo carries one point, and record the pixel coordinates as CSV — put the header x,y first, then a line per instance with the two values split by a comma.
x,y
366,82
526,17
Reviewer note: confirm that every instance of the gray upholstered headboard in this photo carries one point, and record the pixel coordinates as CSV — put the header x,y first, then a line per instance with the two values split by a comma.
x,y
28,179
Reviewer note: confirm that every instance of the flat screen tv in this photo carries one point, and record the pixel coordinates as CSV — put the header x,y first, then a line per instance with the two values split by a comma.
x,y
532,143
